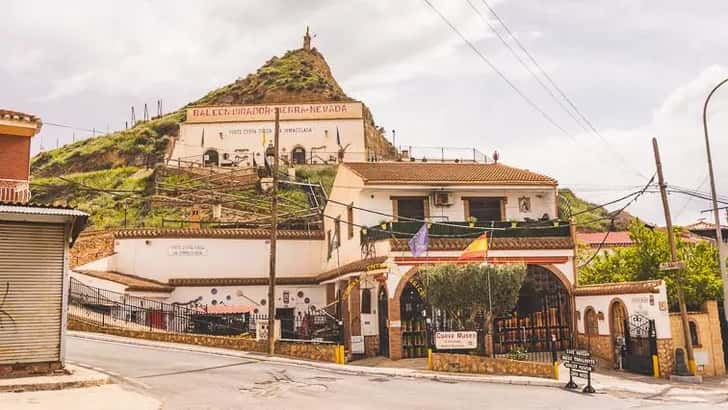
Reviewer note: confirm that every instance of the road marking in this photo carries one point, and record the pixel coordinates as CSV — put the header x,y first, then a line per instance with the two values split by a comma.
x,y
196,370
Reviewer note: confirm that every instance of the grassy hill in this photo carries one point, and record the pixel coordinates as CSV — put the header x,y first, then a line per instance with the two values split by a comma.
x,y
124,160
589,217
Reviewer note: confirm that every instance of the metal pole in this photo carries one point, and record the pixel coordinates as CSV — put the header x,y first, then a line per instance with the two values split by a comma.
x,y
273,239
673,256
716,215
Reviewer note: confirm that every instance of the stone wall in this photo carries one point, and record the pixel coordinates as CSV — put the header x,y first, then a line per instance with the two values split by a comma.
x,y
462,363
710,341
665,353
91,246
371,346
324,352
600,346
30,369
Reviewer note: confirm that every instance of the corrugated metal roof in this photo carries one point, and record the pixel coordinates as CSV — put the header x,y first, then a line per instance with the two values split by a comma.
x,y
39,209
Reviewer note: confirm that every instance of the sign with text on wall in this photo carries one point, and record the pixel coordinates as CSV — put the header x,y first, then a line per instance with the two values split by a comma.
x,y
187,250
246,113
456,340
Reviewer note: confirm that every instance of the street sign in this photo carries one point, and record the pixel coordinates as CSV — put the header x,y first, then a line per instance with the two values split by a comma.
x,y
580,364
677,265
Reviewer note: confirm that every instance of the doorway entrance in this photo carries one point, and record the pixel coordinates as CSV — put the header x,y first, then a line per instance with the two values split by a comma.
x,y
298,156
413,311
211,158
383,316
287,318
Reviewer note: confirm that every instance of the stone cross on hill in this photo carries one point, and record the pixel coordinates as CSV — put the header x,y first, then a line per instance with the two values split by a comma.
x,y
307,40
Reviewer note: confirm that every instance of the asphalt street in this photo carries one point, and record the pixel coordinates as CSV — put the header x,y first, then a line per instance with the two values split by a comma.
x,y
191,380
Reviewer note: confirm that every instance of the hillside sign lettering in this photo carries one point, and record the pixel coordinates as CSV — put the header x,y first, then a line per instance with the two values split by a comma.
x,y
248,113
580,364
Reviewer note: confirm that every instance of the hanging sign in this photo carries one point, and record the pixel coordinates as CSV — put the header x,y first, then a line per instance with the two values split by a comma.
x,y
456,340
677,265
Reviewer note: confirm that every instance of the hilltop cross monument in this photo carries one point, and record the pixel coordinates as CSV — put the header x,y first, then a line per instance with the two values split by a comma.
x,y
307,40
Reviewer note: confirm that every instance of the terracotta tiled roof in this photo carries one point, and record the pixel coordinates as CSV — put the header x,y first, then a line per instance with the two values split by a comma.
x,y
257,281
703,226
132,282
18,116
613,238
459,244
445,173
646,286
356,266
236,233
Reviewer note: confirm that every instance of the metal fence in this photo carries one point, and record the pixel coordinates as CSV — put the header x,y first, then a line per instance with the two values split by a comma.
x,y
109,308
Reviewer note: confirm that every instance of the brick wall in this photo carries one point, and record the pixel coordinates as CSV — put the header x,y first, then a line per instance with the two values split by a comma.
x,y
710,342
463,363
323,352
395,332
30,369
14,157
371,346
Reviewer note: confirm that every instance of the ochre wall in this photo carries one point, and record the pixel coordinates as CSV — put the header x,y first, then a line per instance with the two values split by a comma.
x,y
709,337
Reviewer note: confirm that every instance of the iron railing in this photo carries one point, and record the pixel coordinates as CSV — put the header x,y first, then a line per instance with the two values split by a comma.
x,y
108,308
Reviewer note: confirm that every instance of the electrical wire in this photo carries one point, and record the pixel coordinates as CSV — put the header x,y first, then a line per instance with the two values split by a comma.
x,y
499,72
558,89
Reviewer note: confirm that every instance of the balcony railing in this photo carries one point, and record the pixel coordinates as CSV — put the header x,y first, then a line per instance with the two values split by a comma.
x,y
462,229
13,190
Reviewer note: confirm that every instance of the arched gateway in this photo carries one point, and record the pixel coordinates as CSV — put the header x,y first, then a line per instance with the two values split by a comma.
x,y
543,316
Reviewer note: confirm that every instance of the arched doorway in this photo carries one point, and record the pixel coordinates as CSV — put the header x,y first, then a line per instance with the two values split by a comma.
x,y
591,325
542,316
413,313
383,317
211,158
298,155
617,319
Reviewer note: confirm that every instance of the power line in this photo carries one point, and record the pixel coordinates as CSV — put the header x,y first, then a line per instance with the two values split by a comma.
x,y
556,87
54,124
498,72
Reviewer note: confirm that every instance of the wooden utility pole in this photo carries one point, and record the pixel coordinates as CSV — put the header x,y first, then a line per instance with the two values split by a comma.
x,y
673,255
273,239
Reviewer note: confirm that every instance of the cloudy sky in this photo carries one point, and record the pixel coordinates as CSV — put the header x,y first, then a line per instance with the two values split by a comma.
x,y
635,69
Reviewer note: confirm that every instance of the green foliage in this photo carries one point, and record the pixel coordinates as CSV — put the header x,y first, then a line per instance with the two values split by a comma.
x,y
590,217
701,276
323,174
462,290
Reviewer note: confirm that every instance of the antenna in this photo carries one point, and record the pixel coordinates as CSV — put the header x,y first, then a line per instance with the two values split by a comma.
x,y
146,112
133,117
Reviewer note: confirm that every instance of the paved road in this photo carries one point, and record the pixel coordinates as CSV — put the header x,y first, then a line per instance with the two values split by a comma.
x,y
190,380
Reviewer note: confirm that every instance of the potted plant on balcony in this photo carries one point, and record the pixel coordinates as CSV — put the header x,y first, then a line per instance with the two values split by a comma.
x,y
471,221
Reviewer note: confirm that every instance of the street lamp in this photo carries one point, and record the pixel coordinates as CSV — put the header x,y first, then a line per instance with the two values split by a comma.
x,y
716,215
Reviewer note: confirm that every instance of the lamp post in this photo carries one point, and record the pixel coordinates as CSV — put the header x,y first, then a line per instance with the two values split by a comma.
x,y
716,215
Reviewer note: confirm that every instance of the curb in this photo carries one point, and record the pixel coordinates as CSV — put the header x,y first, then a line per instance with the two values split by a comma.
x,y
29,384
330,367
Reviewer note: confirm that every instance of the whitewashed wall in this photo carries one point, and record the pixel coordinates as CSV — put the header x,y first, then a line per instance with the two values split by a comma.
x,y
252,296
647,304
164,258
98,283
249,135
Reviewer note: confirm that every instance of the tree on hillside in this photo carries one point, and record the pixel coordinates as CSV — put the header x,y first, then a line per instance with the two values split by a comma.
x,y
462,290
701,276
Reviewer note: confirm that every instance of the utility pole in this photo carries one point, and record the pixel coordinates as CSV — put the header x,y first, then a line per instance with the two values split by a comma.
x,y
716,214
673,255
273,239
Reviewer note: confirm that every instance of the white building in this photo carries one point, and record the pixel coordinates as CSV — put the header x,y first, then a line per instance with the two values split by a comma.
x,y
240,135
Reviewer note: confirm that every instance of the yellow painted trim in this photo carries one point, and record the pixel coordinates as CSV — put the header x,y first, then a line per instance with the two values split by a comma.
x,y
655,366
18,130
429,359
556,370
693,367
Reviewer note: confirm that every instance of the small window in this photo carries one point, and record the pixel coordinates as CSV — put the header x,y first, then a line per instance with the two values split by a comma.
x,y
337,233
413,208
694,334
366,301
485,209
298,156
350,221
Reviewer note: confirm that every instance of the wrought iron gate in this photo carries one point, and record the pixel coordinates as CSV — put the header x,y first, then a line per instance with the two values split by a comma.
x,y
640,344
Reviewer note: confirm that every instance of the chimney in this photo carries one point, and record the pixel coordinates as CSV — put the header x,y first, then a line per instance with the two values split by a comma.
x,y
16,131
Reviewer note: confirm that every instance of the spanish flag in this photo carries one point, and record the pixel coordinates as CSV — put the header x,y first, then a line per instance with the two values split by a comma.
x,y
477,250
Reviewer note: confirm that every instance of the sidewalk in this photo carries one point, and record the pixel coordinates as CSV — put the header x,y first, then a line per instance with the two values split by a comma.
x,y
106,397
78,377
646,387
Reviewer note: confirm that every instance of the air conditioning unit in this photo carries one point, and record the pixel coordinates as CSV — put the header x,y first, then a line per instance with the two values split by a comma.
x,y
442,198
